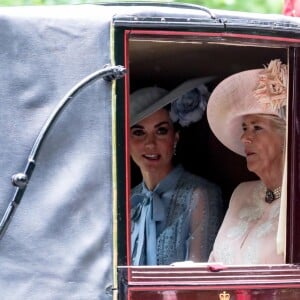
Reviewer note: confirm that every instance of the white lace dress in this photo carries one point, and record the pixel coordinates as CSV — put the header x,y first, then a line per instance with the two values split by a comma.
x,y
248,232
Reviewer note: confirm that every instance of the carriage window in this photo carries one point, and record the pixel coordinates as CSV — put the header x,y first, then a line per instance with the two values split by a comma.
x,y
207,144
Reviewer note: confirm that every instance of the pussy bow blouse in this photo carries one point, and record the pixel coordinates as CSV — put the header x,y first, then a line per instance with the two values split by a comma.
x,y
176,221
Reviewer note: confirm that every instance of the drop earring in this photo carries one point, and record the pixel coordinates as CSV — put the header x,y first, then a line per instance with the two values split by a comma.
x,y
174,149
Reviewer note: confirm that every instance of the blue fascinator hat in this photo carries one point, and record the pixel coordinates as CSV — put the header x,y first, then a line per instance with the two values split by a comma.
x,y
188,101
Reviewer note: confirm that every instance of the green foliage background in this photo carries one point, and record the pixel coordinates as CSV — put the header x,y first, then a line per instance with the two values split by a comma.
x,y
260,6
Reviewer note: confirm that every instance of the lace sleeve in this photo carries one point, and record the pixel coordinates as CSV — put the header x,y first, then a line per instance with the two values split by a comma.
x,y
206,215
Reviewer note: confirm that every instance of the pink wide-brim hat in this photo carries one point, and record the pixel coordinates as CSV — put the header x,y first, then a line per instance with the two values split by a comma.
x,y
232,99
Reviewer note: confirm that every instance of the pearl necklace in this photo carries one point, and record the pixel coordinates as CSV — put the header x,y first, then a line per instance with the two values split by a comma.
x,y
272,195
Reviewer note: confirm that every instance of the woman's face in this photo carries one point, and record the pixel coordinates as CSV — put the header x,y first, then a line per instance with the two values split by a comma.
x,y
152,142
263,144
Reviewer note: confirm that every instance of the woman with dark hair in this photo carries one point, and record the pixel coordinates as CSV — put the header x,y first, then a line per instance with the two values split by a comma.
x,y
175,215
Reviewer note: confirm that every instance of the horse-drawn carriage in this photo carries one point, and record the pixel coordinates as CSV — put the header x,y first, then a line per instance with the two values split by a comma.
x,y
66,76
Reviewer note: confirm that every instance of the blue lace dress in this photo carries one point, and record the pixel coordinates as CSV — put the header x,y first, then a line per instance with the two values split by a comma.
x,y
176,221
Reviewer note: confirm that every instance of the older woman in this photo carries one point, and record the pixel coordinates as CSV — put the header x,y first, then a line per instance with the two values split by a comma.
x,y
175,215
246,112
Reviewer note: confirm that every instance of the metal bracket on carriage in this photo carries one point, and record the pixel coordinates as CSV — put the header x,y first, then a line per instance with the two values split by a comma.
x,y
20,180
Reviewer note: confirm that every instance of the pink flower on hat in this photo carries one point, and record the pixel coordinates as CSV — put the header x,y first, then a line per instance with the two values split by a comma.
x,y
272,85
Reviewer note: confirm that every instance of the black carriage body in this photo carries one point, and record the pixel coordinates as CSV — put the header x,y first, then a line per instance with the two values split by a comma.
x,y
69,236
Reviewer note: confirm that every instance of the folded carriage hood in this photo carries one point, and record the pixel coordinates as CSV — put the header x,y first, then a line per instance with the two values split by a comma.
x,y
59,242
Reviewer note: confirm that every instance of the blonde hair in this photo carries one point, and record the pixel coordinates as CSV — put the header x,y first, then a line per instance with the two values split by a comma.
x,y
279,123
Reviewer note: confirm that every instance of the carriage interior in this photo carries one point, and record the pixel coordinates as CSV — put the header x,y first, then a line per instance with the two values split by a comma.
x,y
169,61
